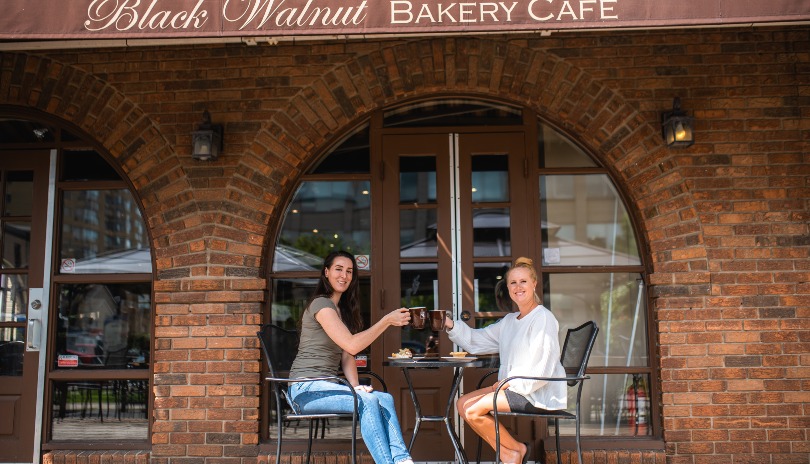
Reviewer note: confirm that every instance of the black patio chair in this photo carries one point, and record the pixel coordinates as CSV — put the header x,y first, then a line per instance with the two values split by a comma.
x,y
478,387
576,351
11,358
279,347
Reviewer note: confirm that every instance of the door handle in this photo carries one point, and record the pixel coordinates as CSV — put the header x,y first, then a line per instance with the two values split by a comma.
x,y
465,315
35,314
33,335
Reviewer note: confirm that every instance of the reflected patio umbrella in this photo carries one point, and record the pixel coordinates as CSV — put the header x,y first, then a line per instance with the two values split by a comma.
x,y
287,258
135,261
572,252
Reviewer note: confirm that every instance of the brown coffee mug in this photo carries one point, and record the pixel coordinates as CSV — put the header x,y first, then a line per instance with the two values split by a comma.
x,y
418,316
437,319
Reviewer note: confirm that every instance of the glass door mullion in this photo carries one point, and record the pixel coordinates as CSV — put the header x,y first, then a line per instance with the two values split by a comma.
x,y
455,226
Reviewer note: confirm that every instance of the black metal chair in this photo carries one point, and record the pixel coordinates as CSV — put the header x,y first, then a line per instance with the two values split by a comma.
x,y
280,346
576,351
478,387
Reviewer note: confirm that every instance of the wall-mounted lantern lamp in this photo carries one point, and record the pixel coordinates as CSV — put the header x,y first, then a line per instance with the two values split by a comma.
x,y
206,140
677,126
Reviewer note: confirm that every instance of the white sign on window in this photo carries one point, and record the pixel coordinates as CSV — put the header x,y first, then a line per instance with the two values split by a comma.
x,y
362,262
551,255
68,266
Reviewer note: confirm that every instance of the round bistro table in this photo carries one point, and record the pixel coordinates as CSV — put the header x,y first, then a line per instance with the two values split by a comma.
x,y
458,365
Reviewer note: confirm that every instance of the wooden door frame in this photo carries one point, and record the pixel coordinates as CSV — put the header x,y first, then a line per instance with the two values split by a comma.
x,y
389,271
23,445
467,140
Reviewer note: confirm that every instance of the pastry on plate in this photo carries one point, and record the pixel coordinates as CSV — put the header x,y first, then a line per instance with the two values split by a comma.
x,y
403,353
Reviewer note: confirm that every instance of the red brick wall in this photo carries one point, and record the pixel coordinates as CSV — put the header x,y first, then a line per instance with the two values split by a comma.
x,y
96,457
725,221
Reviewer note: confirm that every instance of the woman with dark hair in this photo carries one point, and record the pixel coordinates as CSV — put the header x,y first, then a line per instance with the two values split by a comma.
x,y
528,344
331,335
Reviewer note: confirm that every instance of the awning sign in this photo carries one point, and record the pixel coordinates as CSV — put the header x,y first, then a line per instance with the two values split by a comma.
x,y
111,19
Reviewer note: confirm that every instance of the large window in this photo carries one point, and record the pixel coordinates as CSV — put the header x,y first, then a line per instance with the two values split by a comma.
x,y
591,270
102,307
583,242
92,263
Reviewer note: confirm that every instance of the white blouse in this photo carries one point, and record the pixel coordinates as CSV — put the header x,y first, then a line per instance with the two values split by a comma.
x,y
528,346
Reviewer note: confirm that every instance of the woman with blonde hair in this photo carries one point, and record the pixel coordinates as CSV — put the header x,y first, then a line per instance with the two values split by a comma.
x,y
528,344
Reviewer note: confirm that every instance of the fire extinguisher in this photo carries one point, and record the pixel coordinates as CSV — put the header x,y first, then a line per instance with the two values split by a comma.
x,y
636,399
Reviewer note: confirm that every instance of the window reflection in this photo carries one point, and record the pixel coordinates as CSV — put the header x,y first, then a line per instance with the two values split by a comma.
x,y
100,410
351,156
417,179
16,244
557,151
585,222
102,232
612,405
28,132
490,178
491,232
417,233
452,112
615,301
103,325
19,194
324,216
487,277
84,165
290,297
12,349
13,297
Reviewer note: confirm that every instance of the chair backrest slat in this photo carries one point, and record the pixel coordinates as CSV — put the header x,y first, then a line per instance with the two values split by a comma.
x,y
577,348
279,346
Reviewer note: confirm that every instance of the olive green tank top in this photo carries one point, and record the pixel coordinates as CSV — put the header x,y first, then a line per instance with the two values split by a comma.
x,y
317,354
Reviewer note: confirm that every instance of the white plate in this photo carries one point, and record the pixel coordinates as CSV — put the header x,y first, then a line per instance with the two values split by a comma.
x,y
415,358
453,358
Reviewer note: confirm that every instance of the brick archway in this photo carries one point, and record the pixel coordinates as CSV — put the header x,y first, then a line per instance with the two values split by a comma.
x,y
580,105
80,99
586,109
197,229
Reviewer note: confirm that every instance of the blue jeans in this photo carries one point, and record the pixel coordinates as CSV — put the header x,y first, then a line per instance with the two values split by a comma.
x,y
378,418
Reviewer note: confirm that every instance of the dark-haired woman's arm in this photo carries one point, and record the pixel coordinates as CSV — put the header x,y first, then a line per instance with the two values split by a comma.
x,y
355,343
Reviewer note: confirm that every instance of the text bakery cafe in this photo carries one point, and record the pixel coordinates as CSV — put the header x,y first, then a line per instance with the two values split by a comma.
x,y
402,12
175,171
207,18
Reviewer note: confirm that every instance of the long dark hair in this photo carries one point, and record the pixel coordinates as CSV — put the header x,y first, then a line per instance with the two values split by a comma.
x,y
349,304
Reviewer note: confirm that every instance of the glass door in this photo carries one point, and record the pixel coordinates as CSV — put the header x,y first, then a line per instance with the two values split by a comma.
x,y
452,223
492,218
417,216
23,211
451,192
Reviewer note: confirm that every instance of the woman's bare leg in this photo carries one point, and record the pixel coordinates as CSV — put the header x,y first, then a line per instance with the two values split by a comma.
x,y
474,408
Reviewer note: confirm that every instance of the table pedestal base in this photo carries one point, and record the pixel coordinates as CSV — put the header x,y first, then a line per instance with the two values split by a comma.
x,y
462,457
